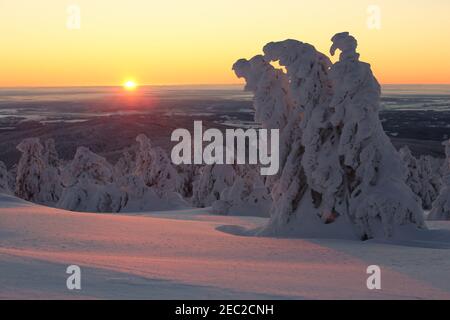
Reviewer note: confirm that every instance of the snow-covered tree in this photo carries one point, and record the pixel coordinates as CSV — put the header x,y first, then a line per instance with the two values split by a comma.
x,y
53,171
151,181
373,195
30,170
144,159
341,175
271,101
125,165
270,87
289,96
429,168
12,174
86,165
309,91
441,207
422,177
4,183
248,196
89,186
162,174
90,183
36,180
86,196
94,185
412,177
154,166
50,154
212,181
140,197
187,175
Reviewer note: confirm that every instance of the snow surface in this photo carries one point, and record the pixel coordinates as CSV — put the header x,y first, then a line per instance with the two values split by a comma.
x,y
191,254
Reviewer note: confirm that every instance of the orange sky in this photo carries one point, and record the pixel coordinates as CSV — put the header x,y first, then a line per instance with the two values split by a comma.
x,y
197,41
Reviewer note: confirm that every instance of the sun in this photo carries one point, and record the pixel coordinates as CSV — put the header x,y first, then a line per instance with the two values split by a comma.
x,y
130,85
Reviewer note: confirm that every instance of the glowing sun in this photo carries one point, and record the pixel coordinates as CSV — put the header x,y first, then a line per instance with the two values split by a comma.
x,y
130,85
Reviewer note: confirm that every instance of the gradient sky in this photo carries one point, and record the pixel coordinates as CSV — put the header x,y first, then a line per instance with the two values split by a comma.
x,y
197,41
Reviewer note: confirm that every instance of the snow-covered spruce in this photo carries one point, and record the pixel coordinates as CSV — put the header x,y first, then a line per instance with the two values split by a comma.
x,y
50,154
154,166
441,207
125,165
88,182
307,92
12,174
140,197
373,194
92,184
187,175
270,87
36,179
271,101
342,175
294,199
54,163
306,69
155,184
213,179
30,170
162,176
275,108
248,195
422,176
4,183
144,158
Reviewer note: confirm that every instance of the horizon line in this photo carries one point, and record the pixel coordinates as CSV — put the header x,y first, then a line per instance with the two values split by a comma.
x,y
186,85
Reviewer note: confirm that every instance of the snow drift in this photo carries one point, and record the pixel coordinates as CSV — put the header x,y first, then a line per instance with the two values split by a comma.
x,y
184,255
